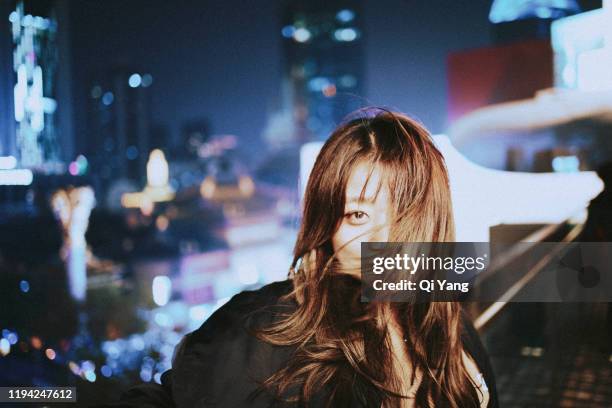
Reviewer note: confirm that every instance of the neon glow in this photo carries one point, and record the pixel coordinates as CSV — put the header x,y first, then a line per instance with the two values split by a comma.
x,y
288,31
16,177
5,347
135,80
301,35
34,63
162,289
345,15
512,10
7,162
566,164
346,34
157,188
157,169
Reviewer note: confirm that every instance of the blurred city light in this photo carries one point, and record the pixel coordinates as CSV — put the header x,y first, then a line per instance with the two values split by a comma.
x,y
12,338
131,152
566,164
162,289
34,108
317,84
238,235
157,189
79,166
106,371
8,162
246,186
136,341
288,31
248,274
302,35
73,168
512,10
163,319
199,313
50,353
345,15
329,91
74,367
157,169
108,98
5,347
24,286
346,34
162,223
36,342
90,376
147,80
82,164
96,92
135,80
8,339
16,177
347,81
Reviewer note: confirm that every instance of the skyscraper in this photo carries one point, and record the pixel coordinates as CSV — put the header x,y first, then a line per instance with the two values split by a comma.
x,y
119,124
8,141
35,62
323,63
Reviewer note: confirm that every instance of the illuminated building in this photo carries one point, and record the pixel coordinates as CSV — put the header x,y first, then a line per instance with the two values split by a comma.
x,y
36,139
35,62
323,62
157,188
119,124
7,120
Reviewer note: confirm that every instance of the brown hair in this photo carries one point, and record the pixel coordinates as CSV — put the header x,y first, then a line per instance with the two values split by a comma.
x,y
342,343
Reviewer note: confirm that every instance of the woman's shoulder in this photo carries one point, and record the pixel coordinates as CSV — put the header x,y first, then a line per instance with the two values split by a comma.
x,y
243,311
248,305
265,295
222,361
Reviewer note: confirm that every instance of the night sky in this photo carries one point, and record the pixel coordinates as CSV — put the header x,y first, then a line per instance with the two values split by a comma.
x,y
222,61
406,49
209,60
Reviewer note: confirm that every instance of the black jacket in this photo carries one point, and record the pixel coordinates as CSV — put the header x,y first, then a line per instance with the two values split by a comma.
x,y
218,365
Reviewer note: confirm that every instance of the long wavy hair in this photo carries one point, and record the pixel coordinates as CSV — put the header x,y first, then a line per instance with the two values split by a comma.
x,y
343,344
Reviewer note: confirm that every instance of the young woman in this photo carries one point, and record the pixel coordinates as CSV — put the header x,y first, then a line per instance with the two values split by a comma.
x,y
309,340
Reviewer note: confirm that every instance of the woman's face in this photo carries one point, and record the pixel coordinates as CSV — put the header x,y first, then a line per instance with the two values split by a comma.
x,y
364,219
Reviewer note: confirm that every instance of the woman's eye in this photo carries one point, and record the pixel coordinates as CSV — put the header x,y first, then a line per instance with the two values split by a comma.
x,y
357,217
